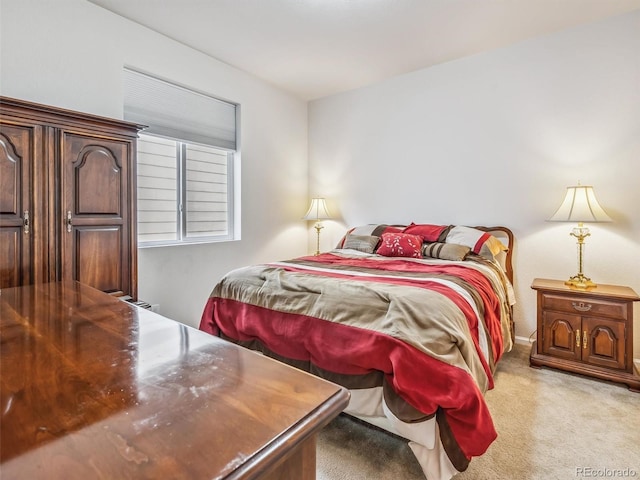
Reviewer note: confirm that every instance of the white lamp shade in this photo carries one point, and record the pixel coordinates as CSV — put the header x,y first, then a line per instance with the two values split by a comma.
x,y
580,205
317,210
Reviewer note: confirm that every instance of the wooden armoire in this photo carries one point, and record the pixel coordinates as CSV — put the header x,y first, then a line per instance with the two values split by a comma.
x,y
67,198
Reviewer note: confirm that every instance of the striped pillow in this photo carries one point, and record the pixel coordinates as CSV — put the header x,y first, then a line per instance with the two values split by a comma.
x,y
445,251
371,229
362,243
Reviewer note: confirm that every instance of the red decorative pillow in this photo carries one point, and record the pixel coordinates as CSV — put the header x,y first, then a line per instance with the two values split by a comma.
x,y
429,233
400,245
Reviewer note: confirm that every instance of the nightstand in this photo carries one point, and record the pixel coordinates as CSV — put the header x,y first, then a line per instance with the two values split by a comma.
x,y
586,331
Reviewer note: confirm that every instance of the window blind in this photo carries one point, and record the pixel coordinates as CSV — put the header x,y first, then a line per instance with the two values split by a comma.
x,y
183,191
206,192
173,111
157,190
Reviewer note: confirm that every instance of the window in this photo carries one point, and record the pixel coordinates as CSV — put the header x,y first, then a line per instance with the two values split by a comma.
x,y
183,191
186,160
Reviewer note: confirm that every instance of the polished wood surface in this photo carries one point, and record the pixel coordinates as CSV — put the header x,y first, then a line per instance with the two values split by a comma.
x,y
68,198
586,331
93,387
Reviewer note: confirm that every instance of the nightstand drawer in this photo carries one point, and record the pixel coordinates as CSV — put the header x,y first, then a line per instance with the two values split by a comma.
x,y
584,306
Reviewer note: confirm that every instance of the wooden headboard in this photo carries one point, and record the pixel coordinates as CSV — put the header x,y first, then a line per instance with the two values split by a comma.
x,y
505,235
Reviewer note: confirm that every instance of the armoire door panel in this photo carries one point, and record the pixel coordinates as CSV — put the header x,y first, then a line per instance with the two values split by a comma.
x,y
12,272
97,166
96,174
97,257
11,165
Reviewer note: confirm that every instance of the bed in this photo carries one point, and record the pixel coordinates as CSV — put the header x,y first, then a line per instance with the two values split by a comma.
x,y
412,319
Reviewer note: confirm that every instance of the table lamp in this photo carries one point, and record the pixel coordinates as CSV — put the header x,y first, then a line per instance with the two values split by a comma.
x,y
317,212
580,205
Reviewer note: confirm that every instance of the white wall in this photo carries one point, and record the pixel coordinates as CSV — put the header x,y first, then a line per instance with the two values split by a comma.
x,y
71,53
495,139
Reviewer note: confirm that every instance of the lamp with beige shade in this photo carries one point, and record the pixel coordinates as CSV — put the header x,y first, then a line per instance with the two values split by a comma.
x,y
580,205
317,212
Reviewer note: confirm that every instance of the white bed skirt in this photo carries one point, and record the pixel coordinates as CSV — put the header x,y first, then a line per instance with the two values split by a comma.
x,y
369,406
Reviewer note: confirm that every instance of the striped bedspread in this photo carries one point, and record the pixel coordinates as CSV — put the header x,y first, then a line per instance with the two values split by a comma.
x,y
427,333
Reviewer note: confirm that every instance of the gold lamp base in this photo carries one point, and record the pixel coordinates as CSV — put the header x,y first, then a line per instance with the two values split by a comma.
x,y
318,226
581,282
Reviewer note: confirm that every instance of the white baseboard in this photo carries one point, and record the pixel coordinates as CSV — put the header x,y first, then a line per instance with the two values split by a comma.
x,y
523,340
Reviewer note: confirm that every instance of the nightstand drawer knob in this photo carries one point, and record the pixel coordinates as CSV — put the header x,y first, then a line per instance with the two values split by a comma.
x,y
581,306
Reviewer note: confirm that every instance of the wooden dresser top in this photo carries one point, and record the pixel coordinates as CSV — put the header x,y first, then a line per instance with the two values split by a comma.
x,y
94,387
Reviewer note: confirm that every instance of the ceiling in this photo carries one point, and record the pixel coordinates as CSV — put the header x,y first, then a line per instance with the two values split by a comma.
x,y
315,48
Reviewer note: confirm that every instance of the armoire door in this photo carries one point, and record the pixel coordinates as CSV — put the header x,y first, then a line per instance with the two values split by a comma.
x,y
22,224
95,211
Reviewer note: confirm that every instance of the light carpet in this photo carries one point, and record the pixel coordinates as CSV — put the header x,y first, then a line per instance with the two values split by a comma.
x,y
551,425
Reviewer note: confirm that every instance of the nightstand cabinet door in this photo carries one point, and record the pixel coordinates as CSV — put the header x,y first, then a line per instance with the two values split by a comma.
x,y
561,335
605,342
